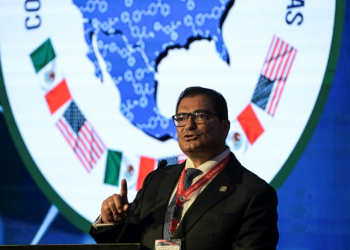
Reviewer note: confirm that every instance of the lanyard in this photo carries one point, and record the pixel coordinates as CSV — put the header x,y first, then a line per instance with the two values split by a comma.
x,y
183,196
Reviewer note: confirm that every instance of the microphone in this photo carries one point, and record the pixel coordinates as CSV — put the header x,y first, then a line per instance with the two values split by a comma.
x,y
161,165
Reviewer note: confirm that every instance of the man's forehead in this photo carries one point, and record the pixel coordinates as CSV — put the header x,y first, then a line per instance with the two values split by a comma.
x,y
196,102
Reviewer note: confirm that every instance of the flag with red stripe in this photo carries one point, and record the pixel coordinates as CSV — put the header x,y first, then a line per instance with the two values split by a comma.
x,y
58,96
147,165
250,124
181,158
273,75
172,160
81,136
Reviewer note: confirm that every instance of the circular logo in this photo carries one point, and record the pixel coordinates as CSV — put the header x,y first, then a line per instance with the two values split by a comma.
x,y
89,87
182,198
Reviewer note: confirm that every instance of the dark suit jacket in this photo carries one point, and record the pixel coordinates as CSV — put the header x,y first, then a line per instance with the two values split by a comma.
x,y
242,217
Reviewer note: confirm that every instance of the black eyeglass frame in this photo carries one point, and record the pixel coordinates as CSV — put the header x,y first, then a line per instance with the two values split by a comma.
x,y
207,112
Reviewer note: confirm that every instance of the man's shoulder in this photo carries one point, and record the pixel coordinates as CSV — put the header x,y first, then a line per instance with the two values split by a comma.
x,y
170,169
242,176
252,178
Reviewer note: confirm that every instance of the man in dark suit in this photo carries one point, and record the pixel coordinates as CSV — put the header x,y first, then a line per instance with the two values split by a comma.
x,y
225,206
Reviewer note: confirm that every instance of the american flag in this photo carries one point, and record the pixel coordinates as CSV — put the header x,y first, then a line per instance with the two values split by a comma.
x,y
172,160
81,136
273,75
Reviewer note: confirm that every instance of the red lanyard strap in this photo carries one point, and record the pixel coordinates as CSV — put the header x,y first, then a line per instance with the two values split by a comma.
x,y
183,196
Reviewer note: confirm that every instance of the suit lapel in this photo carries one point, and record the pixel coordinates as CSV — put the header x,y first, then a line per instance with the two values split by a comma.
x,y
166,186
210,196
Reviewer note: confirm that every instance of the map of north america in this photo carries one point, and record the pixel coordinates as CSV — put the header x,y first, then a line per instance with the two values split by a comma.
x,y
133,37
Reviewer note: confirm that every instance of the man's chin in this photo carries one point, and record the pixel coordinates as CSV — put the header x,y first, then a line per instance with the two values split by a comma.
x,y
190,149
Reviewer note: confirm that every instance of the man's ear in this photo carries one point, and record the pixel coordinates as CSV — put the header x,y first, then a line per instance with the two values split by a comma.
x,y
226,127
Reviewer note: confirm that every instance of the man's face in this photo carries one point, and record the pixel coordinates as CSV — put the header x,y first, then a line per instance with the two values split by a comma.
x,y
205,140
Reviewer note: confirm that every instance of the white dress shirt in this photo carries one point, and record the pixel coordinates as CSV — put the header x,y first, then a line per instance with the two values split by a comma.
x,y
205,167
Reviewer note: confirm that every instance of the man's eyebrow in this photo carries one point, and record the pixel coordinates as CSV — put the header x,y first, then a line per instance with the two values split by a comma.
x,y
186,112
198,110
191,112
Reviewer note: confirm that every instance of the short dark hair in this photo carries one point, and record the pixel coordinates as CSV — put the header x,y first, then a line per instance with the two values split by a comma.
x,y
217,100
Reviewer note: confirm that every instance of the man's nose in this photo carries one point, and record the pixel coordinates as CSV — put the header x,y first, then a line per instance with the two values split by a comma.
x,y
190,122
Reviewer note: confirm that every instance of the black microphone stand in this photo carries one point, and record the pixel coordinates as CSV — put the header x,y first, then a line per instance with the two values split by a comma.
x,y
161,165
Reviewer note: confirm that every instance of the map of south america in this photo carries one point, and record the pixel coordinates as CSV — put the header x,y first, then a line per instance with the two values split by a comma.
x,y
133,37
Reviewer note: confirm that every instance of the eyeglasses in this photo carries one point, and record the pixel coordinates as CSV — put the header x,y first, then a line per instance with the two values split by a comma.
x,y
198,116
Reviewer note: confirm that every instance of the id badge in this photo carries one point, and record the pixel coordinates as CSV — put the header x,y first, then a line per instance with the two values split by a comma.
x,y
173,244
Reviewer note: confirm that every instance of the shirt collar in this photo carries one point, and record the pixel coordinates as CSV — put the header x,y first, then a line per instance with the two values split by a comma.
x,y
206,166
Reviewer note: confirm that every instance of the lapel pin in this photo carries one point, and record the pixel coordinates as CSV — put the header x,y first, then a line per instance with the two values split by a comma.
x,y
223,189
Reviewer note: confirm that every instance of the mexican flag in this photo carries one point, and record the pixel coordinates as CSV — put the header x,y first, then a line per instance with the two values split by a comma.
x,y
50,77
132,168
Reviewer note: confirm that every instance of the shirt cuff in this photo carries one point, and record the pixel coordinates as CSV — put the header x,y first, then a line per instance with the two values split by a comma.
x,y
99,225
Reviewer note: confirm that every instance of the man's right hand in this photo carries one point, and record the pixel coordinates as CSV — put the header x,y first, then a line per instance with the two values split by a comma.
x,y
116,207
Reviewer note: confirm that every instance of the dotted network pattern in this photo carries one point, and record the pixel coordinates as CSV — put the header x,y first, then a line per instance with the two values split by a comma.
x,y
134,36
